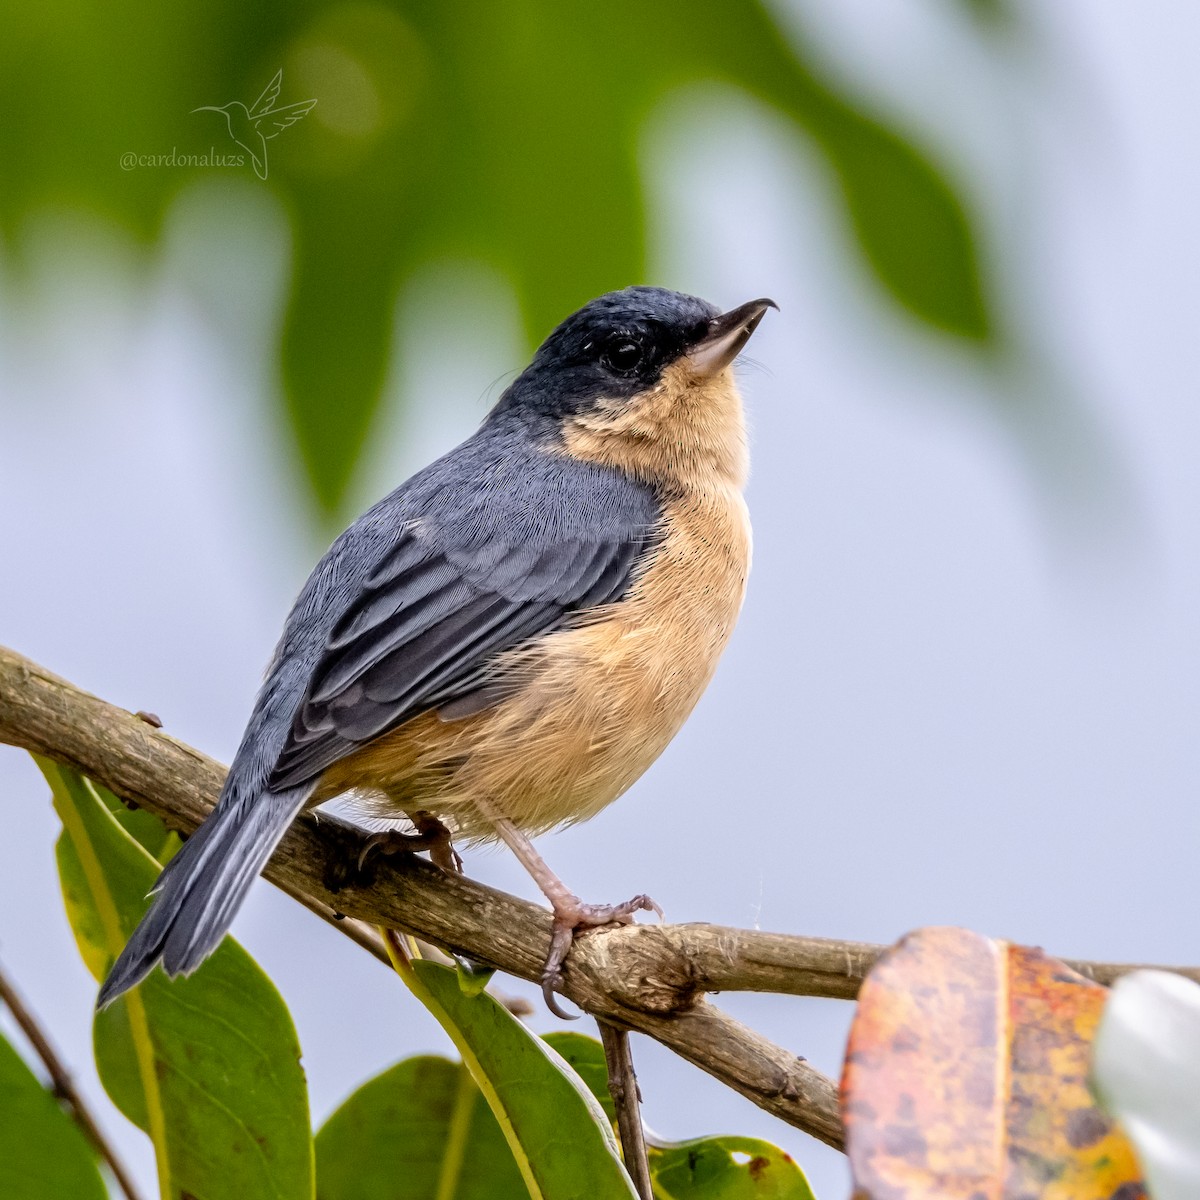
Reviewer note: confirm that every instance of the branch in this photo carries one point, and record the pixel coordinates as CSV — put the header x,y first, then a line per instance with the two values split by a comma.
x,y
63,1085
648,978
627,1100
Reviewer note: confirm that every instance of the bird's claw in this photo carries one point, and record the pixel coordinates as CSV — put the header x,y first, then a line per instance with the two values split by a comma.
x,y
561,937
568,919
432,836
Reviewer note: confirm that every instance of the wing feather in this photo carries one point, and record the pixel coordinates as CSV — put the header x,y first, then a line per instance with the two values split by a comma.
x,y
426,627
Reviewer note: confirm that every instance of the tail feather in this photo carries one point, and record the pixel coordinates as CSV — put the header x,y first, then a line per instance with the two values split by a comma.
x,y
203,886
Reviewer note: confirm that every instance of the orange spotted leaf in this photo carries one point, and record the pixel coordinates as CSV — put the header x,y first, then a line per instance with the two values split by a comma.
x,y
966,1078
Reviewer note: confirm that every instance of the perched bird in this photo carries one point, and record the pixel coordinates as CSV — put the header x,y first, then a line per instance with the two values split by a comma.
x,y
508,640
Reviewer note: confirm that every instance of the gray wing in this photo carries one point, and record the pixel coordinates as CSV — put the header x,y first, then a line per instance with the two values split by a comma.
x,y
428,622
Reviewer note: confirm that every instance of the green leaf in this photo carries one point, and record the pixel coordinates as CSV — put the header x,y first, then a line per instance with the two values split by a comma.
x,y
43,1154
418,1131
208,1066
473,979
144,827
562,1142
726,1168
585,1056
432,1137
431,1133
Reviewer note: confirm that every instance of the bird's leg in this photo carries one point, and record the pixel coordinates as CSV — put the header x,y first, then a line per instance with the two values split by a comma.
x,y
430,835
570,913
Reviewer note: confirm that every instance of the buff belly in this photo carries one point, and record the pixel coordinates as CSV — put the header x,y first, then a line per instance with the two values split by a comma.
x,y
591,705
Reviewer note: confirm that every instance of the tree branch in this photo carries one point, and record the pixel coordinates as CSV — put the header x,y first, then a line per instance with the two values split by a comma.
x,y
627,1100
648,978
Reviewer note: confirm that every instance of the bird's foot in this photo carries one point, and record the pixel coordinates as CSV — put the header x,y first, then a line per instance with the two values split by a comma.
x,y
571,915
430,835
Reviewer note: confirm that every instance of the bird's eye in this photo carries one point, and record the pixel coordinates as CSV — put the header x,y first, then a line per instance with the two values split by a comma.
x,y
623,354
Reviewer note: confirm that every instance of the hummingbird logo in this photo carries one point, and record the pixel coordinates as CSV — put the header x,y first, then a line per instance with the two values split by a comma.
x,y
253,127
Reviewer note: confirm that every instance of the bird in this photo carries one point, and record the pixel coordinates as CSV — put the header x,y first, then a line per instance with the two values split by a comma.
x,y
252,127
506,642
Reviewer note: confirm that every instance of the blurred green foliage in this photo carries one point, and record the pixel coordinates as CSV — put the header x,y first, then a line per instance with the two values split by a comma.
x,y
992,14
504,133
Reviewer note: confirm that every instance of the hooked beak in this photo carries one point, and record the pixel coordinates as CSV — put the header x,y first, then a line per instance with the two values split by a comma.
x,y
726,336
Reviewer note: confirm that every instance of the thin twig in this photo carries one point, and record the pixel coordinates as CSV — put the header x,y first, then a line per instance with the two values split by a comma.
x,y
63,1085
623,1087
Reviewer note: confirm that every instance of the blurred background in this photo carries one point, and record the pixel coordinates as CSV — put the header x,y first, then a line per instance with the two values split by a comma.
x,y
965,685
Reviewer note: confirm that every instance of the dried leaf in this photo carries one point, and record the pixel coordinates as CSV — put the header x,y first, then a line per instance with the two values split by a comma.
x,y
966,1078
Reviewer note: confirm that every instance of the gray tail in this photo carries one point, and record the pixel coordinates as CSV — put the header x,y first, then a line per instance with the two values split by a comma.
x,y
202,887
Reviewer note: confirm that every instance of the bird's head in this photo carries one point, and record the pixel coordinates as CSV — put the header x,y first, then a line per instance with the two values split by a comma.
x,y
641,379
